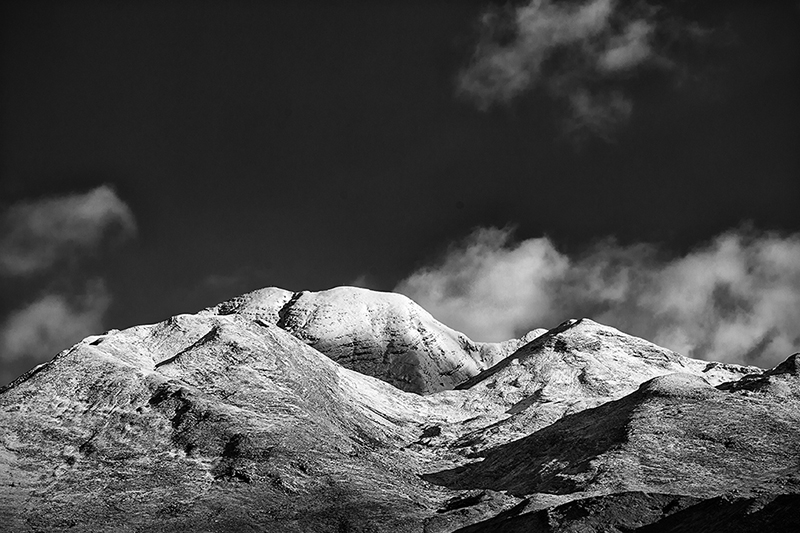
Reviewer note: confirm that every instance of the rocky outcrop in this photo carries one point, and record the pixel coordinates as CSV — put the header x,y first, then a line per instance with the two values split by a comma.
x,y
241,418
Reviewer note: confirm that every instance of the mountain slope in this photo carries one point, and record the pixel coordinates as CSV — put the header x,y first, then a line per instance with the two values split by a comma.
x,y
174,430
575,366
676,434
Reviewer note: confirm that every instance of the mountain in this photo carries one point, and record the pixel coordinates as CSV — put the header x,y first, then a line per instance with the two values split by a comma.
x,y
282,411
202,419
384,335
674,431
574,366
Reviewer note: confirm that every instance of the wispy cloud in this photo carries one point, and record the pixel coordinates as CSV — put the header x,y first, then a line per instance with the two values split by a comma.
x,y
629,49
36,235
37,331
36,239
736,298
598,113
580,53
363,280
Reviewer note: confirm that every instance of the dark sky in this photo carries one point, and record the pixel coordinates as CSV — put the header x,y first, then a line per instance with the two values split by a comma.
x,y
309,144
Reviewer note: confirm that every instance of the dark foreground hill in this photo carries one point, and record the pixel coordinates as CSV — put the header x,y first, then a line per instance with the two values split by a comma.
x,y
280,411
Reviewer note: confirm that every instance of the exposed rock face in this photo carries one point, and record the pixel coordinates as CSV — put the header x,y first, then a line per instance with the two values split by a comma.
x,y
243,418
384,335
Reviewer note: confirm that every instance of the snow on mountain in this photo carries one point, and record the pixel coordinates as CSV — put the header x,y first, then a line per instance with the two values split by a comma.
x,y
354,410
379,334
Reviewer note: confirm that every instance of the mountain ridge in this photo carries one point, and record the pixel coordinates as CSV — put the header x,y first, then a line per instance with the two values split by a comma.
x,y
234,420
353,325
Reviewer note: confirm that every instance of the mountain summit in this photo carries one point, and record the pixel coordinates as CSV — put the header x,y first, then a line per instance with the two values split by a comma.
x,y
380,334
351,410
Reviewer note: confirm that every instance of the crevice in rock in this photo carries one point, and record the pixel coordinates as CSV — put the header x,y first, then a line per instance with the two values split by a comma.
x,y
461,502
283,312
204,339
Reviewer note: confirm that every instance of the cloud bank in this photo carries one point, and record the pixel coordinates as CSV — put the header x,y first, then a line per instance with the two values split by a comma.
x,y
734,299
36,235
580,53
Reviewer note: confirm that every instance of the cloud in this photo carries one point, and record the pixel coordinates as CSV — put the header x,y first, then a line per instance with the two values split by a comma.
x,y
487,286
34,236
629,49
736,298
580,53
598,113
36,332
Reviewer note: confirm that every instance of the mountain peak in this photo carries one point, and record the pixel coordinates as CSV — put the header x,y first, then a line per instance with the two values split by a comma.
x,y
790,366
381,334
783,380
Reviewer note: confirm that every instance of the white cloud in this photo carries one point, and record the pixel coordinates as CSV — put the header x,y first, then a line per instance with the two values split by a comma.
x,y
36,332
628,50
501,71
573,50
36,235
489,287
363,281
737,298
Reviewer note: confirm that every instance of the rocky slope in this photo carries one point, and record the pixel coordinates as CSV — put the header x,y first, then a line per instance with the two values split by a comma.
x,y
244,417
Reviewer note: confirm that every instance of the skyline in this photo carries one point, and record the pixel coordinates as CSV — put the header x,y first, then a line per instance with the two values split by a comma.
x,y
219,149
